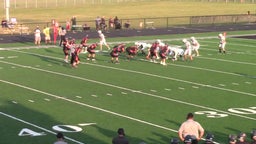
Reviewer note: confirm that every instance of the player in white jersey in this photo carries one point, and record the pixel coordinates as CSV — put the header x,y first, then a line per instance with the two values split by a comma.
x,y
188,50
222,42
195,45
143,47
175,51
102,40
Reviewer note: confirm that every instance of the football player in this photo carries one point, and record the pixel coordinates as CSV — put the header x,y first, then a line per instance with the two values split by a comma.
x,y
143,47
91,52
195,45
222,43
188,50
131,51
115,53
174,52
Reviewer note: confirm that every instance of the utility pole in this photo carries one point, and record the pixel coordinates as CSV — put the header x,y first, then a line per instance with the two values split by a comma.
x,y
7,6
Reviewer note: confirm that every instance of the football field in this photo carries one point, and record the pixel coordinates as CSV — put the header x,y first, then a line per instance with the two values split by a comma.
x,y
41,95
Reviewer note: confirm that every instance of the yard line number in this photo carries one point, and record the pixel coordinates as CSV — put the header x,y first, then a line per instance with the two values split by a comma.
x,y
213,114
59,128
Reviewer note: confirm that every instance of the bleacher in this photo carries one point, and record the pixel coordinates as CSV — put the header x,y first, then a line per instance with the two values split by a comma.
x,y
15,29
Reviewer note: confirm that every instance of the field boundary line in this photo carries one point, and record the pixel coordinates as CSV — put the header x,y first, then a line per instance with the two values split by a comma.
x,y
36,126
135,91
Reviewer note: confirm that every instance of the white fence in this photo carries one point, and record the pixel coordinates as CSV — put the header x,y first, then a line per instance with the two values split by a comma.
x,y
59,3
67,3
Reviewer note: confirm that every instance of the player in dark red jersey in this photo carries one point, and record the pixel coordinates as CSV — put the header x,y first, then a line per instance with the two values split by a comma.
x,y
115,52
84,44
66,48
152,55
164,51
91,51
75,60
131,51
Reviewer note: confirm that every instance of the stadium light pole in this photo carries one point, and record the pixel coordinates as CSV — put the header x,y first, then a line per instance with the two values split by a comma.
x,y
7,13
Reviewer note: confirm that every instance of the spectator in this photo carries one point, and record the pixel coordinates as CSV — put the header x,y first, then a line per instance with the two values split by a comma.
x,y
232,139
253,137
103,25
60,139
209,139
97,23
86,27
111,23
191,128
4,23
174,141
68,25
127,24
73,23
37,33
242,138
120,139
117,23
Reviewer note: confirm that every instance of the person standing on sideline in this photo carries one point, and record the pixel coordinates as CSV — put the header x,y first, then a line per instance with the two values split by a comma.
x,y
37,33
60,139
120,139
102,40
191,128
222,43
55,32
62,33
47,36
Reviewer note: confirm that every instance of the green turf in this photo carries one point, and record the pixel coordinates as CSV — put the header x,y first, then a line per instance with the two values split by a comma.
x,y
149,100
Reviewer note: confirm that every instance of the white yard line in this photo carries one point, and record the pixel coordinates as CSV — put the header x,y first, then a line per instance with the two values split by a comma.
x,y
139,92
186,66
36,126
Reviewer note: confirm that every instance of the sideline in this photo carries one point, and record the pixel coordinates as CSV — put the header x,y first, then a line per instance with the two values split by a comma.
x,y
36,126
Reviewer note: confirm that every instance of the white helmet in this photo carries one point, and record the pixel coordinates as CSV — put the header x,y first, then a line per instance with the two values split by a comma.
x,y
184,40
137,43
99,31
192,38
158,40
220,35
